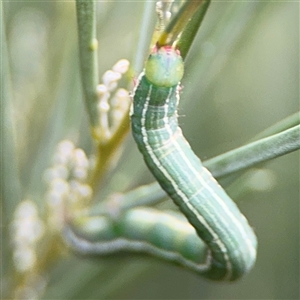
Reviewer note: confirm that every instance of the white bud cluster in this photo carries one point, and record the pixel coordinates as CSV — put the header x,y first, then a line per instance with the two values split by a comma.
x,y
66,180
119,102
26,230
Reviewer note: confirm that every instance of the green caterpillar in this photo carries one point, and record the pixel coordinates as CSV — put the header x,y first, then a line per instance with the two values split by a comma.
x,y
216,219
227,246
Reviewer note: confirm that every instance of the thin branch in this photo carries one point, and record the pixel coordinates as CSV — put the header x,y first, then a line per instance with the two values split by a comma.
x,y
286,123
178,22
188,35
143,36
10,188
88,46
256,152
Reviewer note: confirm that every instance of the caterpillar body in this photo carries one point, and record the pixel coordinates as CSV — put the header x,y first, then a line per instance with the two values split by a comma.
x,y
217,220
217,242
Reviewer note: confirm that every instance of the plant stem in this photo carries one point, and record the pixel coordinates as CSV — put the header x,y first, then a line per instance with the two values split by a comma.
x,y
88,46
10,188
286,123
188,35
255,152
178,22
107,151
143,36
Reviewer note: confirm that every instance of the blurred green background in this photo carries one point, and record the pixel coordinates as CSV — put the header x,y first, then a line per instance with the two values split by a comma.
x,y
242,76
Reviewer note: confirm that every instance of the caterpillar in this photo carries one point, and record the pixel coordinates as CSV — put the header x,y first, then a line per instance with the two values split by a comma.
x,y
217,220
217,242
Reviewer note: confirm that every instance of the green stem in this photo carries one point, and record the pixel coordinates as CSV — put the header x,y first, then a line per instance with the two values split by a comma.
x,y
286,123
10,185
143,36
10,188
178,22
88,45
256,152
146,195
188,35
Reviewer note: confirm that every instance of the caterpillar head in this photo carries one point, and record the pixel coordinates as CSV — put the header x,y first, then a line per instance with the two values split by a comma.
x,y
164,67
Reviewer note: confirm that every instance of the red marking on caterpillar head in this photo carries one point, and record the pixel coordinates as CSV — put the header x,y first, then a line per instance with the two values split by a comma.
x,y
167,48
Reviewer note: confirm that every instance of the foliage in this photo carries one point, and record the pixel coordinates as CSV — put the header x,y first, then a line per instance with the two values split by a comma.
x,y
241,77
